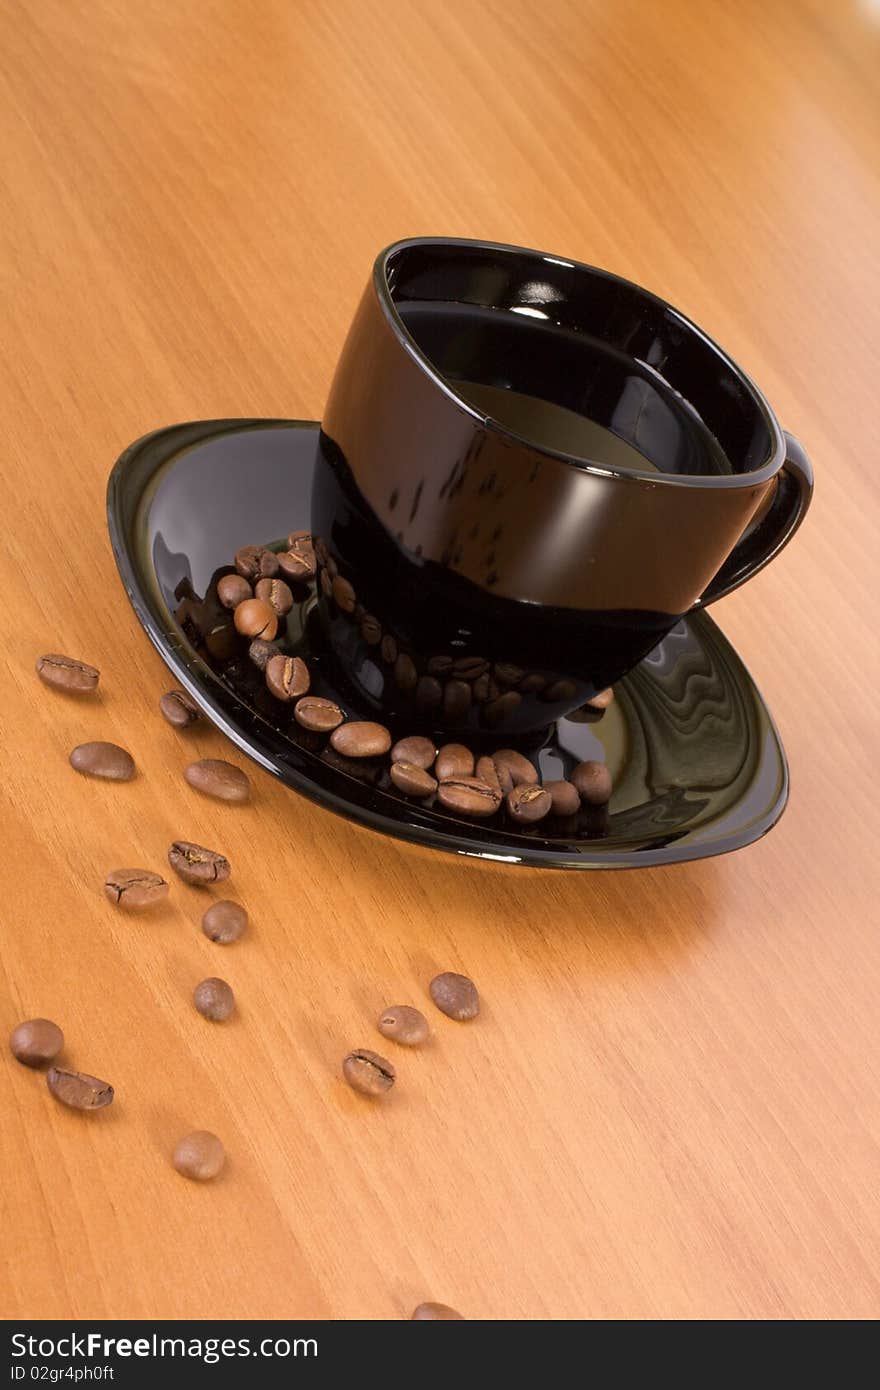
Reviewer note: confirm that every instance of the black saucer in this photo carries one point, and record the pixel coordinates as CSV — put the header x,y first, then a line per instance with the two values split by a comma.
x,y
697,764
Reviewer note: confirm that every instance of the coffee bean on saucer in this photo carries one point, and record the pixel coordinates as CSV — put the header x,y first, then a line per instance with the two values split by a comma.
x,y
368,1073
261,652
456,699
371,630
507,675
287,677
197,865
199,1156
103,760
414,749
277,594
388,648
224,922
326,583
65,673
403,1024
179,709
468,796
135,888
454,760
296,539
497,711
412,780
344,594
482,688
515,768
455,996
232,590
429,693
255,562
299,565
215,777
436,1312
565,797
214,999
317,714
256,618
602,699
532,683
468,668
361,739
36,1041
528,804
405,674
439,665
79,1090
593,781
563,689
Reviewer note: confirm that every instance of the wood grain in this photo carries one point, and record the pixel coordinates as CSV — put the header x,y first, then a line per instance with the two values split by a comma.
x,y
671,1104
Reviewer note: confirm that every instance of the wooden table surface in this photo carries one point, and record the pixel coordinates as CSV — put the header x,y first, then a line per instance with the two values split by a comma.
x,y
670,1106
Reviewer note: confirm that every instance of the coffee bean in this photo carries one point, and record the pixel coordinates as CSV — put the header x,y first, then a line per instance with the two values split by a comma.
x,y
405,673
507,675
454,760
429,693
455,996
256,618
215,777
388,649
403,1024
224,922
298,565
602,699
468,668
326,582
79,1090
488,773
299,539
593,781
498,711
371,630
320,715
344,594
36,1041
261,652
361,739
287,677
277,594
532,683
135,888
559,690
439,665
456,699
367,1072
482,688
513,765
565,797
414,749
103,760
179,709
232,590
64,673
197,865
469,796
412,780
528,804
255,562
436,1312
214,999
199,1156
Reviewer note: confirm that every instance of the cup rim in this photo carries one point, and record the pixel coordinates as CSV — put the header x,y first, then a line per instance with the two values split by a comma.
x,y
764,473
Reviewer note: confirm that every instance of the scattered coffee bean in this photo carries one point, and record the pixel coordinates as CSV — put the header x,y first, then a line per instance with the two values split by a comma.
x,y
224,922
255,562
197,865
79,1090
287,677
528,804
482,688
455,996
388,649
565,797
488,772
361,739
515,767
64,673
318,715
429,693
179,709
215,777
469,668
232,590
371,630
469,796
344,594
499,710
261,652
36,1041
414,749
439,665
507,675
256,618
436,1312
103,760
214,999
368,1073
298,564
412,780
533,683
560,690
602,699
456,699
405,673
403,1024
199,1156
593,781
277,594
135,888
454,760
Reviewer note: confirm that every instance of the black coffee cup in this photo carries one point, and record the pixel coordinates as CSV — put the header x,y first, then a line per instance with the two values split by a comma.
x,y
529,470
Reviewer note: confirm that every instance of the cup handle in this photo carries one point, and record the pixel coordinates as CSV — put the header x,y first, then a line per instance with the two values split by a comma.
x,y
763,542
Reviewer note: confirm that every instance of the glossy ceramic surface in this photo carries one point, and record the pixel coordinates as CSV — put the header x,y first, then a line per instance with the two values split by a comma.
x,y
697,765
